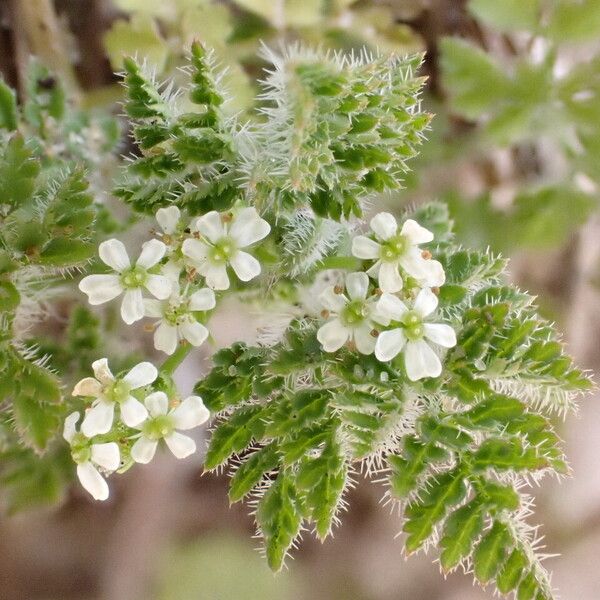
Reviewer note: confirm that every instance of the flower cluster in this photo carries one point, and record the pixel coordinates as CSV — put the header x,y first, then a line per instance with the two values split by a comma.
x,y
181,272
104,444
170,270
380,321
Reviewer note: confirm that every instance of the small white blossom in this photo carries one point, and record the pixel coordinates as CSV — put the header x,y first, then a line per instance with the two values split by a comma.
x,y
392,250
127,278
109,391
163,423
354,316
89,456
177,321
419,358
220,246
168,218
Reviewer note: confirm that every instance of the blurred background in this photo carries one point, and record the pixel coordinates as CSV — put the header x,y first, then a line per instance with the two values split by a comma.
x,y
514,149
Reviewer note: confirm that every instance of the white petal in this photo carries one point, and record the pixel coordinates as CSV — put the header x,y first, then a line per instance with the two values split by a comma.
x,y
389,277
152,253
434,273
421,361
87,387
365,342
415,265
365,248
159,286
195,333
389,344
248,227
133,412
114,254
143,450
441,334
106,456
166,338
211,226
142,374
98,419
426,302
102,371
153,308
203,299
157,404
69,429
100,288
415,233
391,306
332,301
180,445
246,267
92,481
168,218
384,225
190,413
357,285
216,276
172,270
132,307
333,335
195,249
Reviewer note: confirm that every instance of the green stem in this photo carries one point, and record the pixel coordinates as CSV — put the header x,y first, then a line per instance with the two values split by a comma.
x,y
171,364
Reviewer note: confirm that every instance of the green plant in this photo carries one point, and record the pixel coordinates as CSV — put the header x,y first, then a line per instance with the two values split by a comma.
x,y
417,363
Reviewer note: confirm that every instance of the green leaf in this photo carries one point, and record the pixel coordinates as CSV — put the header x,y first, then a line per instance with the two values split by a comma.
x,y
441,492
60,252
137,37
233,435
279,518
549,217
512,571
474,82
38,422
8,107
460,531
250,472
494,410
507,454
508,15
575,21
490,553
18,172
9,296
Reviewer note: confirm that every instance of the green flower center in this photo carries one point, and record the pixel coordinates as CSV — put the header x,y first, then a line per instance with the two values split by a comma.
x,y
354,313
222,250
413,326
175,313
159,427
393,248
81,450
118,392
134,277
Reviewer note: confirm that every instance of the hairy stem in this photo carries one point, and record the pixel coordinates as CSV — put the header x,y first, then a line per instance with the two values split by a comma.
x,y
170,365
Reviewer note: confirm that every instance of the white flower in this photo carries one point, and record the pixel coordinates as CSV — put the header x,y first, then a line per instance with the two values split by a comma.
x,y
177,320
393,250
354,316
419,358
220,246
163,423
89,457
127,278
168,219
108,391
